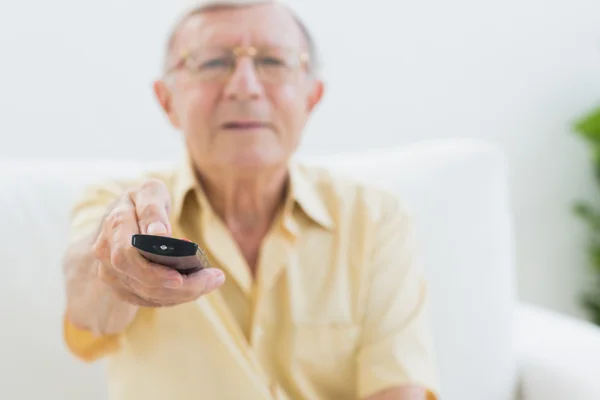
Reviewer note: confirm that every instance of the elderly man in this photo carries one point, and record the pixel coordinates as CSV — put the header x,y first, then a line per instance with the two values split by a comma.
x,y
312,294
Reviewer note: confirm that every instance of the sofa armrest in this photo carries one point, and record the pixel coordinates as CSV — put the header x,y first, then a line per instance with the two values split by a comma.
x,y
559,356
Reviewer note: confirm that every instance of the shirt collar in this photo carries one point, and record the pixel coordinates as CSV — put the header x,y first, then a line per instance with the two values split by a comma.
x,y
302,192
185,182
305,193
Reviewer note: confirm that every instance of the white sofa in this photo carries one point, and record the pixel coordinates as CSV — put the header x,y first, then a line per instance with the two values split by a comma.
x,y
490,347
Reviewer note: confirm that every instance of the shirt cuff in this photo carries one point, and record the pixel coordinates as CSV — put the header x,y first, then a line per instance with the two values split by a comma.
x,y
85,345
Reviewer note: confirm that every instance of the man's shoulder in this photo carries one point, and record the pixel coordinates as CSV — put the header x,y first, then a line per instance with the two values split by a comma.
x,y
348,197
113,186
166,174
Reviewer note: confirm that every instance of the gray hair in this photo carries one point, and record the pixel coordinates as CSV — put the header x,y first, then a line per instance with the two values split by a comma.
x,y
315,59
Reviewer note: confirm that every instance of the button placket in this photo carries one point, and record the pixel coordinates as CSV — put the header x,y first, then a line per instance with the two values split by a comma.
x,y
256,329
275,254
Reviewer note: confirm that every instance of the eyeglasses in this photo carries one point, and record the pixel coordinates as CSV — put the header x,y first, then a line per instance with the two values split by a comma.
x,y
272,64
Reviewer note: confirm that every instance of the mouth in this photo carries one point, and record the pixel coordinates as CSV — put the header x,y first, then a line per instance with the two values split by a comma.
x,y
245,125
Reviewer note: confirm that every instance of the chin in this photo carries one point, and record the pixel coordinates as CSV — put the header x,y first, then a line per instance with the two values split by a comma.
x,y
257,158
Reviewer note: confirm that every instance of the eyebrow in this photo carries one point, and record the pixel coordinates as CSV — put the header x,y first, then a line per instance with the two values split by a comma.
x,y
308,43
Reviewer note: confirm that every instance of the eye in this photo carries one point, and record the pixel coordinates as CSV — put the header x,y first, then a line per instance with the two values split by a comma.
x,y
215,63
271,61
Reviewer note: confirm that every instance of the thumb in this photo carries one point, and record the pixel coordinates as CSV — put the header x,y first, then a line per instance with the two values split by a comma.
x,y
152,202
157,228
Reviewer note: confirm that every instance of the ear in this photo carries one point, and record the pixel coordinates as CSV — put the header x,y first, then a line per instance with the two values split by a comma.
x,y
315,95
165,99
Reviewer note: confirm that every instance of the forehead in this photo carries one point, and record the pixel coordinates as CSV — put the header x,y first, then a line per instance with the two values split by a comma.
x,y
267,24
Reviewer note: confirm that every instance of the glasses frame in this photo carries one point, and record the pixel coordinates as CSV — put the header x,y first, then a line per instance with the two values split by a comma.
x,y
302,62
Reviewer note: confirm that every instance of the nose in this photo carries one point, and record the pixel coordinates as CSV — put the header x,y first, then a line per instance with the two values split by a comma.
x,y
244,83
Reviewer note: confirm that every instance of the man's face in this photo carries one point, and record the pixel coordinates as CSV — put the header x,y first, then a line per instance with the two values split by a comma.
x,y
243,121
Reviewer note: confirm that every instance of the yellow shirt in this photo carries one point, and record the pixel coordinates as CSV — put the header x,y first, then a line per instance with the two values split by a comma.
x,y
337,309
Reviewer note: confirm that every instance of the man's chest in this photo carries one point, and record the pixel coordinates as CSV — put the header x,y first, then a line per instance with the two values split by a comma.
x,y
306,275
279,340
296,324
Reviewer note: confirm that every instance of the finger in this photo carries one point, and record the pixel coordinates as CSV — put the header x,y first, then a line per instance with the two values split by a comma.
x,y
141,274
117,228
111,278
202,282
152,204
124,291
134,299
101,247
129,265
155,275
114,278
122,217
194,286
133,292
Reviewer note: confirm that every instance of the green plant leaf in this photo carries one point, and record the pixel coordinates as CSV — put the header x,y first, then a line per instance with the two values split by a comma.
x,y
591,304
594,257
589,126
582,209
588,214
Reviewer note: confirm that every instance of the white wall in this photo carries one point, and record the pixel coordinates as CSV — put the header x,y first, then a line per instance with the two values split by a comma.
x,y
76,77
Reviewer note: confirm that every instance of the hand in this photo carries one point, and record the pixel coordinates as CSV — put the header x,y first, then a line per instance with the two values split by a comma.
x,y
145,209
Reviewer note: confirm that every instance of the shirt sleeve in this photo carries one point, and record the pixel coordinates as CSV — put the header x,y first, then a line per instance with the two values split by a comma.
x,y
90,208
397,344
86,215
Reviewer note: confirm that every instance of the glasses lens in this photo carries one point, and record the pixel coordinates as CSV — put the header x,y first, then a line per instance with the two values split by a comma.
x,y
272,64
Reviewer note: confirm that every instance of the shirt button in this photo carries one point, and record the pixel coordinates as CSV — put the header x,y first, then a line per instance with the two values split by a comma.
x,y
259,333
277,391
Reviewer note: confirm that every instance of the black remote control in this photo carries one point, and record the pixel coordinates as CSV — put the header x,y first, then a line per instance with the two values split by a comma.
x,y
182,255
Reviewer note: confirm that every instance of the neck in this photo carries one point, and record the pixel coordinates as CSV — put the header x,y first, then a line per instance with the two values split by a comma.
x,y
246,201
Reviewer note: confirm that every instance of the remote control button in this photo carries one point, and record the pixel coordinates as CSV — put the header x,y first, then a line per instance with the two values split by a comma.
x,y
164,249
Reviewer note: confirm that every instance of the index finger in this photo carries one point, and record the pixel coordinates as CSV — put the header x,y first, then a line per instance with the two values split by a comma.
x,y
119,223
152,275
